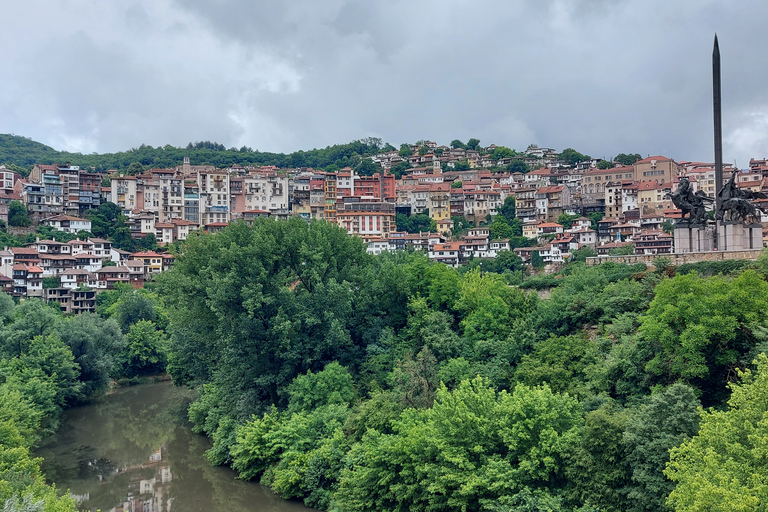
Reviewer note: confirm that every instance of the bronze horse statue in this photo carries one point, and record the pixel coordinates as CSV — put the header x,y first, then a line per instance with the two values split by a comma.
x,y
690,204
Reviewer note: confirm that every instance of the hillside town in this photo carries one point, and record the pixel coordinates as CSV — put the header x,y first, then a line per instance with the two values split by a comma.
x,y
559,208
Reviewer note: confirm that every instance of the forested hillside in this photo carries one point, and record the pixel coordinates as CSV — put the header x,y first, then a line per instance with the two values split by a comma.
x,y
364,383
23,152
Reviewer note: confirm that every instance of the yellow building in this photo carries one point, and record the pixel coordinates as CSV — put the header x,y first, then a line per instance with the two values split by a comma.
x,y
440,201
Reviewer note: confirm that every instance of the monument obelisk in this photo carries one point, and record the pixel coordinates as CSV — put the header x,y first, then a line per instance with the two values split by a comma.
x,y
718,122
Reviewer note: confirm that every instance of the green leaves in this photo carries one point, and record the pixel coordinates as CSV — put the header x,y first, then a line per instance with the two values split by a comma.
x,y
724,466
701,328
473,449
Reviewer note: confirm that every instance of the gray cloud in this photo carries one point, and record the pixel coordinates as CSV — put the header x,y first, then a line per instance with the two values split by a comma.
x,y
601,76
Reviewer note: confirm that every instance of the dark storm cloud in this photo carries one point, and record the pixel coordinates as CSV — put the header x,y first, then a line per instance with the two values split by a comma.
x,y
598,75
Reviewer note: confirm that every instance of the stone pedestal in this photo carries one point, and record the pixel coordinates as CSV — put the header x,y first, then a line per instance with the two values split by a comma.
x,y
693,238
737,236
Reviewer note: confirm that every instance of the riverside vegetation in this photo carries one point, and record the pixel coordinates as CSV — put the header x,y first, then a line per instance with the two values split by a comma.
x,y
49,362
389,383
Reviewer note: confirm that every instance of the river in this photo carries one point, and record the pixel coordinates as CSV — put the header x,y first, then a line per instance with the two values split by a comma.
x,y
134,451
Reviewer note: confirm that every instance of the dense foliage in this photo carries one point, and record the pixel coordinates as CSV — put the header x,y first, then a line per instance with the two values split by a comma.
x,y
24,152
391,383
386,383
49,362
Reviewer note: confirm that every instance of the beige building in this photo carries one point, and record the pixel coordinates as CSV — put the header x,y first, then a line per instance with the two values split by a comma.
x,y
656,168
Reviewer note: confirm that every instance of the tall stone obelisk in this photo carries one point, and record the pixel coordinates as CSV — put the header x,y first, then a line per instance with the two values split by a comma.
x,y
718,121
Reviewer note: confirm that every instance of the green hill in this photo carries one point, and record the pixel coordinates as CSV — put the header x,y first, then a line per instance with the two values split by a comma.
x,y
24,152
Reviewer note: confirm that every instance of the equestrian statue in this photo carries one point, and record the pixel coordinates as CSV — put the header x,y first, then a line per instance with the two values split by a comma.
x,y
736,203
690,204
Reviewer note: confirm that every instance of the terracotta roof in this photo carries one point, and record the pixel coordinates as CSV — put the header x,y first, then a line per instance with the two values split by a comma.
x,y
552,189
145,254
450,246
657,158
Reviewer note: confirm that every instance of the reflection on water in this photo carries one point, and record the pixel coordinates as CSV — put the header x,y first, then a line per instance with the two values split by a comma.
x,y
134,451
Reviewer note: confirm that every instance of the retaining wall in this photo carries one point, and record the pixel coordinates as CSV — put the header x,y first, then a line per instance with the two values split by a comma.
x,y
678,259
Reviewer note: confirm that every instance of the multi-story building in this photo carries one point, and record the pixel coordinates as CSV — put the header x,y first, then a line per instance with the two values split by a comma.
x,y
656,168
89,191
440,201
152,261
191,210
329,189
53,200
214,197
33,195
69,178
124,193
171,194
366,219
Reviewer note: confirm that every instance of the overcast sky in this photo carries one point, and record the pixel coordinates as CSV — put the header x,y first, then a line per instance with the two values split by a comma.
x,y
601,76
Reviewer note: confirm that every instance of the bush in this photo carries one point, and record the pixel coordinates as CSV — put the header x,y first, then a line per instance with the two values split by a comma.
x,y
712,268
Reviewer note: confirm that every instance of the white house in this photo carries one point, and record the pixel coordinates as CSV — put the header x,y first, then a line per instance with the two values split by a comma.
x,y
67,224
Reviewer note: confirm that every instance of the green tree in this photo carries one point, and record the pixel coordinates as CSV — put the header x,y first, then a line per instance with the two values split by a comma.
x,y
505,261
500,152
134,168
536,260
518,165
17,214
31,318
566,219
146,243
256,306
701,329
622,251
400,168
405,150
367,167
415,223
478,450
604,164
630,159
572,157
597,470
500,228
457,144
332,385
722,467
490,307
581,254
95,344
562,362
662,422
461,165
145,350
133,306
473,144
594,218
53,359
507,210
456,184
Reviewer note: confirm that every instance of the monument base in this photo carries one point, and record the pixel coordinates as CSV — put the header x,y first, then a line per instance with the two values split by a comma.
x,y
737,236
693,238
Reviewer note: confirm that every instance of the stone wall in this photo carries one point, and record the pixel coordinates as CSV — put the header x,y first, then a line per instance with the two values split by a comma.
x,y
678,259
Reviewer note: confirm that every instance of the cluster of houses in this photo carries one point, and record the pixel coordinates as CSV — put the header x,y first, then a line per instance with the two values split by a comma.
x,y
171,203
80,268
